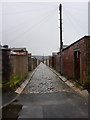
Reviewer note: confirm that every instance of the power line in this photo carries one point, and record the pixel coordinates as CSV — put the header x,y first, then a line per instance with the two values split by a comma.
x,y
15,28
35,25
72,21
27,11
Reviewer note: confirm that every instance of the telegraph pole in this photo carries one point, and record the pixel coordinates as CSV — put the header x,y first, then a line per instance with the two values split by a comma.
x,y
60,9
61,43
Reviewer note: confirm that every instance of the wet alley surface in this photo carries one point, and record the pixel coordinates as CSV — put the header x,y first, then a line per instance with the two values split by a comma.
x,y
45,81
46,96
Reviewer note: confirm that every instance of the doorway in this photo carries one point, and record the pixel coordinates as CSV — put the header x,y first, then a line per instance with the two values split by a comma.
x,y
77,65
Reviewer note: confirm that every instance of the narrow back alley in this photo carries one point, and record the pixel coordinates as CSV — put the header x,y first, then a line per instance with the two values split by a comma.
x,y
45,60
47,96
45,81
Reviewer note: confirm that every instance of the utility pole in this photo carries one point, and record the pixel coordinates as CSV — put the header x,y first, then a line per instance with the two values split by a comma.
x,y
60,9
61,43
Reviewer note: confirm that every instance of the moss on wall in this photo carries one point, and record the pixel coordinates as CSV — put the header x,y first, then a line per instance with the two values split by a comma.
x,y
15,79
0,85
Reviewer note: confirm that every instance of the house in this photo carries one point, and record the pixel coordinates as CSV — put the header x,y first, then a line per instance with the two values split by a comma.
x,y
19,51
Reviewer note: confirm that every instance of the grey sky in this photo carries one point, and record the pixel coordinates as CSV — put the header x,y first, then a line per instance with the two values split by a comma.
x,y
35,25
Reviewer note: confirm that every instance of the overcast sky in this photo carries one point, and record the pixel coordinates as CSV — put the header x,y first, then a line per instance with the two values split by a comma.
x,y
35,25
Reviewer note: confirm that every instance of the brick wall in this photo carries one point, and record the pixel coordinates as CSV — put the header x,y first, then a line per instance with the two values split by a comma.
x,y
58,62
88,61
19,64
14,69
68,63
69,60
50,61
29,62
70,68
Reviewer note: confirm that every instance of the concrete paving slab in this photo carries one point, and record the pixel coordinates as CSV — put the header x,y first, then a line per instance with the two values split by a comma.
x,y
57,105
31,112
63,111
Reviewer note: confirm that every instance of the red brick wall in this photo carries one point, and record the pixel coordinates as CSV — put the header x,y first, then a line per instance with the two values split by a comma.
x,y
68,60
88,61
58,63
68,63
54,61
50,62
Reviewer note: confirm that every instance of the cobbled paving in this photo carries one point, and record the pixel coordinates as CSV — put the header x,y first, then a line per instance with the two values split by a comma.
x,y
45,81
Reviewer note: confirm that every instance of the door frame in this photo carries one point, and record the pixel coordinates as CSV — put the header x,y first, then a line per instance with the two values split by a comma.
x,y
76,75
